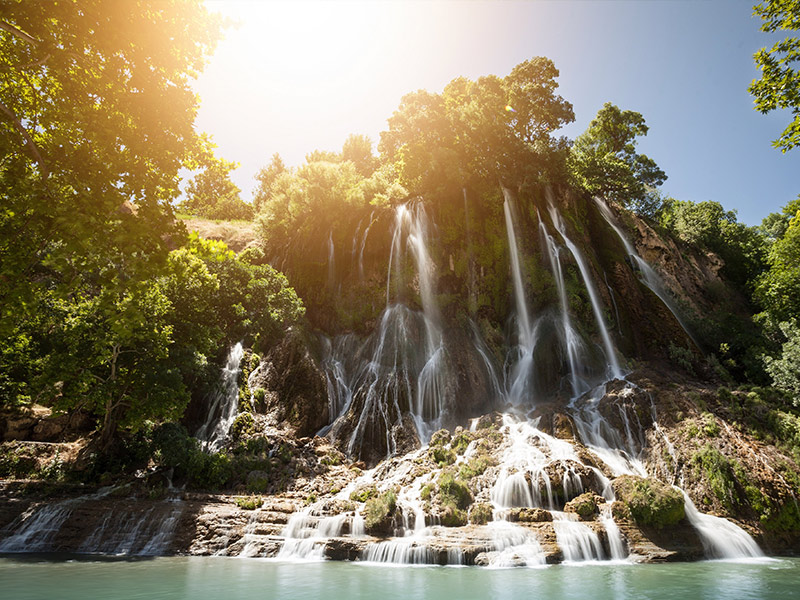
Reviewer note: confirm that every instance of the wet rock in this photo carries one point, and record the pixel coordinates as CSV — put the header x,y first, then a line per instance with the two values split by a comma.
x,y
295,387
529,515
585,506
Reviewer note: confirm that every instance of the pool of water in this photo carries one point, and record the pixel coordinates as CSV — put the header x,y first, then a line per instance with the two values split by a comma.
x,y
200,578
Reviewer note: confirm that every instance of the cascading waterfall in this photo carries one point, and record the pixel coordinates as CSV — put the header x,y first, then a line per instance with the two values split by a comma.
x,y
572,341
721,538
521,373
614,370
224,404
648,275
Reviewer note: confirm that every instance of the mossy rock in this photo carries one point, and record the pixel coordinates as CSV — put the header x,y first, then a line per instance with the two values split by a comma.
x,y
442,456
379,514
529,515
480,513
440,438
453,517
454,491
363,493
650,502
585,506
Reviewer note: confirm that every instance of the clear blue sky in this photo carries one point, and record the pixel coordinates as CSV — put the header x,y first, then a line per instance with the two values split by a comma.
x,y
299,76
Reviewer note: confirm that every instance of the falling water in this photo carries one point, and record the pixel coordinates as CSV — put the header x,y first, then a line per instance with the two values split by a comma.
x,y
611,354
648,275
572,341
331,262
224,404
721,538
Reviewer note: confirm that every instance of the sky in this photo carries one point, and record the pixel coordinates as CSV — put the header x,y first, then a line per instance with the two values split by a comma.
x,y
293,77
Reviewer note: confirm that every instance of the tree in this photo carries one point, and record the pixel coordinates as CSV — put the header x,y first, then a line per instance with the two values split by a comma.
x,y
358,150
779,288
779,85
266,177
604,161
785,369
479,131
774,225
96,119
212,194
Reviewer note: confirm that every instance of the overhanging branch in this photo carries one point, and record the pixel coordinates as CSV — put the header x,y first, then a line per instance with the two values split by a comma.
x,y
28,139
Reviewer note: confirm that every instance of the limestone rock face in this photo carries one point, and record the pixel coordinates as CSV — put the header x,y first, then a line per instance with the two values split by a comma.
x,y
295,388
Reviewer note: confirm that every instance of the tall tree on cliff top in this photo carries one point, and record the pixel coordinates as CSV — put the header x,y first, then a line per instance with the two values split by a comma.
x,y
779,86
96,119
489,129
604,160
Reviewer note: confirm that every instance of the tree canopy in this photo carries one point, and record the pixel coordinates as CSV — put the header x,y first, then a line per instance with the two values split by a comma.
x,y
604,160
779,85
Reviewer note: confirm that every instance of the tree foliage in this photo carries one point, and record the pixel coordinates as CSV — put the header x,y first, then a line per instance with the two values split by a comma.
x,y
779,288
96,118
604,160
490,129
212,194
779,85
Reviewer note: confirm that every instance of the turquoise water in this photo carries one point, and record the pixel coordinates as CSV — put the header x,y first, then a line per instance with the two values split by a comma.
x,y
196,578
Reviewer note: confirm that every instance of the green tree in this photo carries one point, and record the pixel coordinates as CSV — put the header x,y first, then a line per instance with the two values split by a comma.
x,y
604,160
266,177
785,369
96,119
779,85
479,131
774,225
778,289
358,150
212,194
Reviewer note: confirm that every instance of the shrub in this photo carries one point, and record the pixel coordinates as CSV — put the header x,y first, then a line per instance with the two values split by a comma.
x,y
453,491
249,502
243,424
379,512
363,494
480,514
650,502
442,456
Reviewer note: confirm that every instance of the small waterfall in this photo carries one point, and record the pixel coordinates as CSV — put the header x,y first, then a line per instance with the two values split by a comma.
x,y
521,388
514,545
572,341
577,541
362,246
331,262
620,453
614,370
35,529
721,538
224,404
615,542
647,275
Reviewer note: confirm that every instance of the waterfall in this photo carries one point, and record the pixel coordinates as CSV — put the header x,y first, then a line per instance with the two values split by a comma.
x,y
224,404
35,529
647,275
572,341
521,373
721,538
611,354
577,541
331,262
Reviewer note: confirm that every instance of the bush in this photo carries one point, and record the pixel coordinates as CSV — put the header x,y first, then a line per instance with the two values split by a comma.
x,y
379,512
453,491
442,456
249,502
243,424
363,494
650,502
480,514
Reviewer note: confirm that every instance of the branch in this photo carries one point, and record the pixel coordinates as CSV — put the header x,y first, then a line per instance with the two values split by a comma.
x,y
18,33
28,139
28,65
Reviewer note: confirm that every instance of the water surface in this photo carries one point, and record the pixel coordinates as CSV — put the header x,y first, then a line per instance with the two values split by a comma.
x,y
202,578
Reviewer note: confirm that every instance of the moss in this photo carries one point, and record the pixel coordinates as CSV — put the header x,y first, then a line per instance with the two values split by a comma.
x,y
249,502
453,491
440,438
716,470
480,513
453,517
650,502
709,425
242,425
363,494
442,456
425,492
379,512
585,506
460,442
476,466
